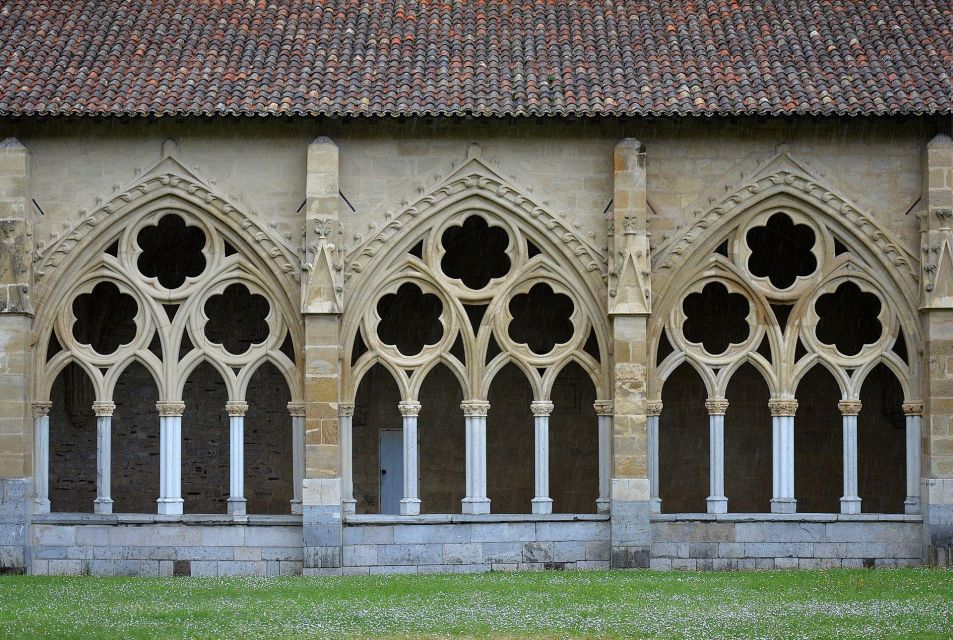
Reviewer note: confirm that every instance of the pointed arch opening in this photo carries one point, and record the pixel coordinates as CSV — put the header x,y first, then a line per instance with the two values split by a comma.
x,y
442,441
748,461
135,442
205,452
376,424
72,481
881,443
683,442
818,443
573,442
267,440
509,442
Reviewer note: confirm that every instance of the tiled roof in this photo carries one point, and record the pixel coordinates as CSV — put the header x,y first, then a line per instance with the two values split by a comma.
x,y
480,57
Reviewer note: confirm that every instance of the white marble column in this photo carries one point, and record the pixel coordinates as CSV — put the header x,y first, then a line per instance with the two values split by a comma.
x,y
717,502
410,503
170,456
782,448
236,410
653,410
914,415
296,411
475,412
850,502
604,410
345,429
104,416
542,503
41,456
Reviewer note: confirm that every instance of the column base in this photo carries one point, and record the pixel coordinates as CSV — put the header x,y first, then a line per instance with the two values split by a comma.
x,y
41,506
237,506
410,507
655,505
350,506
602,505
850,504
170,506
542,506
102,505
296,507
717,504
783,505
911,506
475,506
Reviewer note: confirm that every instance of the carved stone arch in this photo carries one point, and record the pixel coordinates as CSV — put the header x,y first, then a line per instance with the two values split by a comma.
x,y
284,366
191,363
813,360
896,366
497,364
57,365
420,376
768,374
148,361
586,363
671,363
365,364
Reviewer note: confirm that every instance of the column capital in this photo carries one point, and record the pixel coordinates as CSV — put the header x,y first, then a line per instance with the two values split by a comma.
x,y
296,409
653,408
913,408
409,408
104,408
603,407
541,407
849,407
782,407
42,408
170,408
236,408
345,409
716,406
472,408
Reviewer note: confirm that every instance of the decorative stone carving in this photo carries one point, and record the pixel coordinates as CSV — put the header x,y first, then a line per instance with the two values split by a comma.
x,y
472,408
912,408
409,408
345,409
653,408
603,407
236,408
782,407
42,408
541,407
104,408
716,406
849,407
170,408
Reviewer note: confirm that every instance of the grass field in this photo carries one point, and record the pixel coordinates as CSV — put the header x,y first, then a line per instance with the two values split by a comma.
x,y
911,603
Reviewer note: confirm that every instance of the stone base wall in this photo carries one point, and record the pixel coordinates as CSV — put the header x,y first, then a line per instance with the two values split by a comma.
x,y
131,545
464,544
14,525
800,541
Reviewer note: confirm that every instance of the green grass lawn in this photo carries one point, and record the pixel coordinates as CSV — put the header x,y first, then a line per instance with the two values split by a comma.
x,y
910,603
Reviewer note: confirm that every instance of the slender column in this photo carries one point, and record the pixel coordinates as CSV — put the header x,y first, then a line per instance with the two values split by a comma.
x,y
541,409
604,409
914,414
717,502
296,411
653,410
236,410
41,456
474,412
782,430
345,420
410,503
170,456
104,415
849,409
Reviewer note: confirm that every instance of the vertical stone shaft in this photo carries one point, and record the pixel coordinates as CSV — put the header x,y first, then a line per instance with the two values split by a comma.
x,y
654,410
170,457
236,456
717,502
850,502
345,424
476,500
782,449
541,410
913,412
604,416
104,412
41,456
296,411
410,503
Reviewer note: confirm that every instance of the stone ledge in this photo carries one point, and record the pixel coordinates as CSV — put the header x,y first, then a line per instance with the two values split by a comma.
x,y
453,518
151,518
784,517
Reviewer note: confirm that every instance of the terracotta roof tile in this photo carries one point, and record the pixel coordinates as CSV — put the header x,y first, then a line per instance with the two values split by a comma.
x,y
480,57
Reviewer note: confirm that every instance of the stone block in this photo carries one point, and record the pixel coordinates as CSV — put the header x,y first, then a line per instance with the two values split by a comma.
x,y
223,536
503,532
165,568
51,535
391,569
271,568
431,569
592,565
502,552
204,568
703,550
664,550
626,557
92,535
749,532
431,533
321,535
786,563
660,564
322,557
247,553
470,568
561,531
67,567
267,536
410,554
684,564
282,553
537,552
359,555
355,571
467,553
764,564
505,566
569,551
50,553
704,564
731,550
793,531
79,553
779,550
904,550
852,563
597,550
322,572
236,568
725,564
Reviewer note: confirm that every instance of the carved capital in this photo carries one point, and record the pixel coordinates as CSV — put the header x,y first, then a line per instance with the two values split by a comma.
x,y
603,407
170,408
849,407
236,408
42,408
782,407
345,409
716,406
474,408
104,408
653,408
409,408
296,409
541,407
912,408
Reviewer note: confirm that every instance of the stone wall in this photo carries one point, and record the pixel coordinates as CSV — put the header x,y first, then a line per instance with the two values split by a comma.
x,y
131,545
464,544
798,541
14,525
